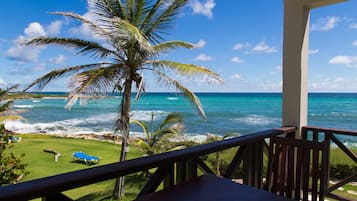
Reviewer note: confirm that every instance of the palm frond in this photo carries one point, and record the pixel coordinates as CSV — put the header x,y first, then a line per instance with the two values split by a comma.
x,y
165,46
82,46
189,94
7,90
55,74
143,126
139,11
162,20
186,69
93,82
134,34
171,118
152,10
98,30
109,9
5,106
143,145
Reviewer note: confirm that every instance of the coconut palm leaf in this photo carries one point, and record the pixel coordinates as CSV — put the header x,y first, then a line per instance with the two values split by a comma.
x,y
93,82
186,69
143,126
82,46
98,30
162,21
170,45
124,26
189,94
5,106
170,119
4,92
41,82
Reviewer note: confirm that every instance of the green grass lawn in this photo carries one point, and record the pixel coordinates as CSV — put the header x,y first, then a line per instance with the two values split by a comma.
x,y
42,164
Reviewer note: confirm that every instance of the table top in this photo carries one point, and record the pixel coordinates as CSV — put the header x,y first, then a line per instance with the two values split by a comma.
x,y
210,187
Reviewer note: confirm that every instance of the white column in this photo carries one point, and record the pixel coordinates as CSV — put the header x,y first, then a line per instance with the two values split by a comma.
x,y
295,63
295,59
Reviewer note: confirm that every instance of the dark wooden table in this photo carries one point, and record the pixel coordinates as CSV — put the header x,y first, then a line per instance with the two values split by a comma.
x,y
210,187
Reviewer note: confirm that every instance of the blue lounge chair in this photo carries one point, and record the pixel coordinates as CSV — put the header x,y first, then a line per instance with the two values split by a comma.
x,y
83,157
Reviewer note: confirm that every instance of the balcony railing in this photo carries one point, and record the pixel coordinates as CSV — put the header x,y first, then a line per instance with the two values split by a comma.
x,y
331,136
174,167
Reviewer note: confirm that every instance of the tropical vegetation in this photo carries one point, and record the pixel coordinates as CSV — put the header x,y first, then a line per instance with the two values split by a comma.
x,y
160,139
131,34
12,168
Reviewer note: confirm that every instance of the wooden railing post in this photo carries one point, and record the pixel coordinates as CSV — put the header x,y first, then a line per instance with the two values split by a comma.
x,y
253,164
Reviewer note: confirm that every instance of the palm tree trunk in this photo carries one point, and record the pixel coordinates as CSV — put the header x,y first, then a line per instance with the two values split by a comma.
x,y
119,189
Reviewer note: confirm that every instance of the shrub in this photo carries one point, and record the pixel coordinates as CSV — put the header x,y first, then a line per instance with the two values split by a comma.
x,y
12,169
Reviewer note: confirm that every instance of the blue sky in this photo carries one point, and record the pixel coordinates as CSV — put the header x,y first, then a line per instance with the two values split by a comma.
x,y
240,40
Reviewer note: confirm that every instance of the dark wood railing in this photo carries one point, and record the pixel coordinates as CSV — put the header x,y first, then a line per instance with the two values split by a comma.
x,y
171,168
331,136
179,166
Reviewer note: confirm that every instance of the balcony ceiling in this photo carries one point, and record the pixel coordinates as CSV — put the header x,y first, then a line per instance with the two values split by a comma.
x,y
320,3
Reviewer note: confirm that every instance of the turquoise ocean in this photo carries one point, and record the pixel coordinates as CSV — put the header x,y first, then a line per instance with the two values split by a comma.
x,y
241,113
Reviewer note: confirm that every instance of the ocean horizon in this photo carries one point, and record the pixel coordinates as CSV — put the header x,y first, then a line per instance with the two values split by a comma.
x,y
240,113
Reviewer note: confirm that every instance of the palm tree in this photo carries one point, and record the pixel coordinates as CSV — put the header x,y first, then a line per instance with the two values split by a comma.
x,y
4,102
133,34
158,140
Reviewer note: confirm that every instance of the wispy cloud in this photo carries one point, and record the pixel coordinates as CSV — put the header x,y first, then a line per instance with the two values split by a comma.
x,y
314,51
239,46
202,8
55,27
262,47
203,57
325,83
200,44
238,76
237,60
60,59
23,53
349,61
276,70
353,26
325,24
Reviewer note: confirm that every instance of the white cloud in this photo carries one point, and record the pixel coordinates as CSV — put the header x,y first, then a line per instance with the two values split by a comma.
x,y
84,29
55,27
325,83
237,60
353,26
203,57
325,24
238,77
314,51
262,47
203,8
271,86
354,43
60,59
339,79
349,61
200,44
24,53
277,69
35,29
240,46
